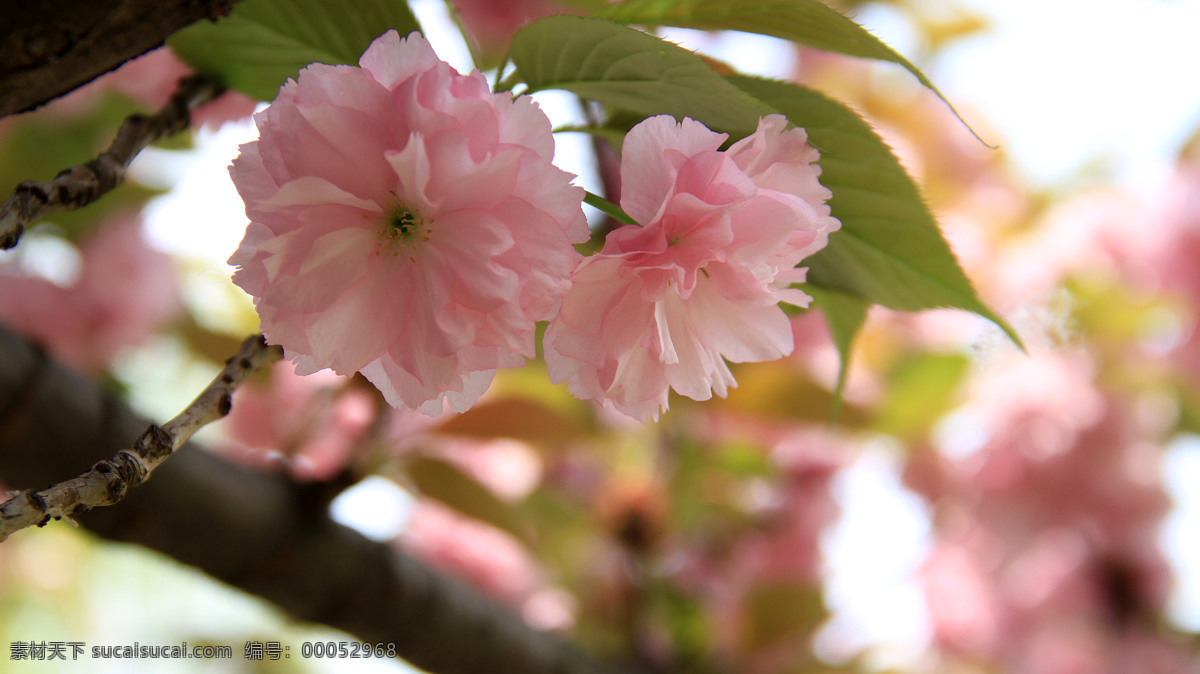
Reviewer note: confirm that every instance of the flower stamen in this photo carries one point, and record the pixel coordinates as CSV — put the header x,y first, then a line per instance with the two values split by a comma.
x,y
403,227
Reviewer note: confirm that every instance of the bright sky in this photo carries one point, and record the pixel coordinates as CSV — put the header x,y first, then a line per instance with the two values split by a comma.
x,y
1063,82
1068,82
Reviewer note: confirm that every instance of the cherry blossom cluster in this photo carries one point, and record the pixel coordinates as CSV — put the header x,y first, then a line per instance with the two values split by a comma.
x,y
409,224
1046,558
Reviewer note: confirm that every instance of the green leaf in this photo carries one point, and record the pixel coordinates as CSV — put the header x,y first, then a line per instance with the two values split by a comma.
x,y
523,418
768,391
689,624
1187,397
845,315
626,68
741,459
889,250
920,390
264,42
807,22
779,611
440,480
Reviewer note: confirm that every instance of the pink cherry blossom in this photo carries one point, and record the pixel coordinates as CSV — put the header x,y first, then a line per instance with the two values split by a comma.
x,y
405,223
489,559
310,425
665,305
777,547
967,616
1048,529
786,545
490,24
508,468
125,290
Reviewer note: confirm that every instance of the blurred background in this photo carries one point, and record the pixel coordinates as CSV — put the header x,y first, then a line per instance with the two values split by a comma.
x,y
973,508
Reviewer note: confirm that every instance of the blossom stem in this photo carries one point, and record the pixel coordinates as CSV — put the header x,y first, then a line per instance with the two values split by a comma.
x,y
507,84
607,207
80,185
499,81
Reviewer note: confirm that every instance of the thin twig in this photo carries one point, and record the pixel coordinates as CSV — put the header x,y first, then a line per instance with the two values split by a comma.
x,y
248,528
108,481
80,185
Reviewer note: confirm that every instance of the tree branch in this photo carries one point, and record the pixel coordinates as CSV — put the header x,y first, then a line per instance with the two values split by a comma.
x,y
107,482
80,185
261,533
49,48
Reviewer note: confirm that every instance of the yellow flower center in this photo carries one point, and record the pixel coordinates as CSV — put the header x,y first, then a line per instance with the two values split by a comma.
x,y
403,223
402,228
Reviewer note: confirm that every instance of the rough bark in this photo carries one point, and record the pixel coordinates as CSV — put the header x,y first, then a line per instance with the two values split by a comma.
x,y
49,47
258,532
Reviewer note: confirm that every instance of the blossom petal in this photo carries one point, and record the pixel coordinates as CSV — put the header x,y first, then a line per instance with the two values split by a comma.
x,y
405,223
665,305
391,60
650,158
